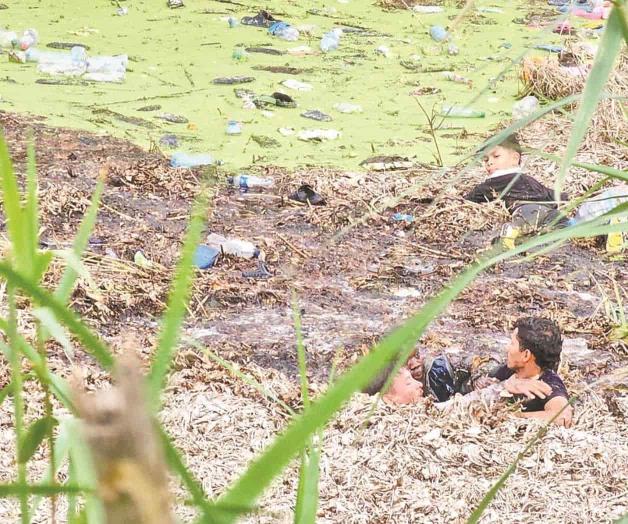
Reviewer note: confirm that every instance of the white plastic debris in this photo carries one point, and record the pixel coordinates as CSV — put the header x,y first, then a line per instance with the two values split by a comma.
x,y
318,134
296,85
346,107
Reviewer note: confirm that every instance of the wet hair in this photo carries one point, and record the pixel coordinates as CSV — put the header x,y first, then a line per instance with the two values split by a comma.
x,y
542,338
511,142
378,383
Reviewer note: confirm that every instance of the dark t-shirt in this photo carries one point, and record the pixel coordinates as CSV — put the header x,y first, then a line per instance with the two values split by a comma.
x,y
524,189
537,404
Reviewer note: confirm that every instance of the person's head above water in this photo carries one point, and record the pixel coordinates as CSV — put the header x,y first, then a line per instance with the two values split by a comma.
x,y
403,388
505,155
535,346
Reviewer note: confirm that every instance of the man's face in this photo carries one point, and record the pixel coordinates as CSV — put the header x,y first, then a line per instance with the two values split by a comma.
x,y
515,357
500,158
404,389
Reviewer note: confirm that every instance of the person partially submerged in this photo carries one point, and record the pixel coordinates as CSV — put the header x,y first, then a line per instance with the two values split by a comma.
x,y
529,375
531,204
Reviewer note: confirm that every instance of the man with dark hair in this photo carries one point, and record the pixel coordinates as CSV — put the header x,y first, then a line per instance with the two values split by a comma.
x,y
530,202
534,354
529,374
403,389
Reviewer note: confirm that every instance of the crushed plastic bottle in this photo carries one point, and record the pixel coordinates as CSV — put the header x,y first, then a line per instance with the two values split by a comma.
x,y
8,38
205,256
331,40
28,39
107,68
246,182
403,217
600,204
460,112
524,107
186,160
234,128
73,63
284,31
233,246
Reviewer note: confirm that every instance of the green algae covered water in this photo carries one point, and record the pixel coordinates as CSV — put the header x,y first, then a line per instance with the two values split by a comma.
x,y
174,54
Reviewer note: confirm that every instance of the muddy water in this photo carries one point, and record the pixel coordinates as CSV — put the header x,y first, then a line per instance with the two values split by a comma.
x,y
175,54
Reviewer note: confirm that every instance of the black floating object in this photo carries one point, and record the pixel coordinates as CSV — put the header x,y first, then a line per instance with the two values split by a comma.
x,y
265,50
261,19
306,194
231,80
66,45
284,100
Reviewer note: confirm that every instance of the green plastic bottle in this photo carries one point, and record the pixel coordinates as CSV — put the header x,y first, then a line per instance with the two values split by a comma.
x,y
460,112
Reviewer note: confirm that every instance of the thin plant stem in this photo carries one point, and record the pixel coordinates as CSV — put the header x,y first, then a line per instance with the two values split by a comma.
x,y
18,401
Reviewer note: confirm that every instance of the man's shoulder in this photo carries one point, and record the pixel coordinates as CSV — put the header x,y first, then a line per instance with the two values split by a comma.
x,y
553,380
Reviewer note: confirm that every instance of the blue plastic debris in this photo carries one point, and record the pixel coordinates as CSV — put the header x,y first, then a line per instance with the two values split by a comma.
x,y
402,217
205,256
438,33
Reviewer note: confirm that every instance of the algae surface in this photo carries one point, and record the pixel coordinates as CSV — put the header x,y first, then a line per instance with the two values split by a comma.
x,y
175,54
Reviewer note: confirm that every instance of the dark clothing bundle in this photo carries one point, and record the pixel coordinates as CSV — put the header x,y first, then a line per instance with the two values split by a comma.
x,y
521,189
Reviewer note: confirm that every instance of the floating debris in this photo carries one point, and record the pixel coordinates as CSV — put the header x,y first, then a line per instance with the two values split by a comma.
x,y
266,142
172,118
318,135
156,107
232,80
315,114
387,163
265,50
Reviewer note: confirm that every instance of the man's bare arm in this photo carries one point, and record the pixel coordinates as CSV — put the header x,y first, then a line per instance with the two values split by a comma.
x,y
552,407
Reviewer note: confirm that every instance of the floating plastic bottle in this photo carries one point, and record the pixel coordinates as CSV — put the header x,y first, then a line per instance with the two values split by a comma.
x,y
181,159
73,63
524,107
600,204
233,246
205,256
460,112
246,182
8,38
107,68
284,31
234,128
331,40
438,33
28,39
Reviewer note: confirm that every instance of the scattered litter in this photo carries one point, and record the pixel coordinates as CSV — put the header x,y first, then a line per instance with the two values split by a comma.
x,y
122,11
296,85
261,271
205,256
239,55
318,134
28,39
234,128
266,142
427,9
438,33
276,99
232,80
261,19
232,22
386,163
155,107
306,194
496,10
453,77
172,118
346,107
246,182
265,51
174,4
287,131
66,45
8,38
460,112
233,246
331,40
169,141
315,114
186,160
452,49
141,260
383,50
504,45
524,107
427,90
284,31
552,48
402,217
